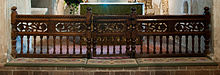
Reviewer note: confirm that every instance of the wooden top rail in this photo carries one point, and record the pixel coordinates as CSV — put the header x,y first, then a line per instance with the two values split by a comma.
x,y
52,34
51,16
111,16
170,16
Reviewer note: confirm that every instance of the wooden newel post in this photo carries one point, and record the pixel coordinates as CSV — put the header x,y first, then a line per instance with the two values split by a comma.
x,y
207,30
13,31
88,32
133,32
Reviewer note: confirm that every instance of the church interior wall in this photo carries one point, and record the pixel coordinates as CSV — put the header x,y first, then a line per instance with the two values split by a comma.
x,y
23,7
215,29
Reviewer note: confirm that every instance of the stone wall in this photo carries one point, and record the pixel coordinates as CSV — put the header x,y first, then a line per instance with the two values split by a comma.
x,y
44,4
216,29
176,7
198,6
55,7
4,42
165,70
24,7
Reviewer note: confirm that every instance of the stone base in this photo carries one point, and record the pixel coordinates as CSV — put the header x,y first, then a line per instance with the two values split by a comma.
x,y
83,62
159,70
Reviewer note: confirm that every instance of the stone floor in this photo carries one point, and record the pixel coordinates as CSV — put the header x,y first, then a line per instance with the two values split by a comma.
x,y
83,62
144,66
150,70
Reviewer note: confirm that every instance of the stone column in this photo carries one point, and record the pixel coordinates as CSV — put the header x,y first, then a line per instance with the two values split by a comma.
x,y
216,27
24,7
4,41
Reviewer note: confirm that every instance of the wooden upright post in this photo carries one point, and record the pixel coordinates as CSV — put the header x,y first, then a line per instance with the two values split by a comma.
x,y
133,32
88,32
13,31
207,30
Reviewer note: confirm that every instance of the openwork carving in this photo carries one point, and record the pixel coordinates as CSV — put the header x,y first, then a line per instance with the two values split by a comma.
x,y
111,27
31,27
189,26
152,27
71,27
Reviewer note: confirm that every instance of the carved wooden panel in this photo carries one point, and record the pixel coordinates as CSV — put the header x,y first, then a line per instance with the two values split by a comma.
x,y
111,27
32,27
71,27
189,26
152,27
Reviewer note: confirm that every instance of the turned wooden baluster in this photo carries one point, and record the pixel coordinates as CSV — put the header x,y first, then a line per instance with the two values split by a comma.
x,y
28,38
167,42
127,43
120,41
148,44
88,32
174,44
108,45
80,45
180,44
102,40
141,41
28,44
41,44
199,44
94,42
154,43
193,44
113,40
161,42
61,45
35,44
54,44
48,44
21,44
67,44
187,44
74,45
13,31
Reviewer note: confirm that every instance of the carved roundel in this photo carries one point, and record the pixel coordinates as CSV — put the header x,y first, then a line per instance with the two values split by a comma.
x,y
152,27
189,26
110,27
71,27
20,27
32,27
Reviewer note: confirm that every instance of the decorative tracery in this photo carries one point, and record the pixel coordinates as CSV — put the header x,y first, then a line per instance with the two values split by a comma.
x,y
32,27
111,27
189,26
152,27
71,27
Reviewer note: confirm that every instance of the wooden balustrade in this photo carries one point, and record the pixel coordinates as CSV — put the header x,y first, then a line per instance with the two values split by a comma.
x,y
110,35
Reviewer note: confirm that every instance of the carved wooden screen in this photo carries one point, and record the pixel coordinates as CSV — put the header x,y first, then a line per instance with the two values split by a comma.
x,y
110,36
50,35
185,35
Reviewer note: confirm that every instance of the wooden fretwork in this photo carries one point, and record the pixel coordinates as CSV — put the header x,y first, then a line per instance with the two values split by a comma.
x,y
111,35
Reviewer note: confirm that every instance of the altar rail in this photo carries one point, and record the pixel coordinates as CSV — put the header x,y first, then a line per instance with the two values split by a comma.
x,y
110,35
